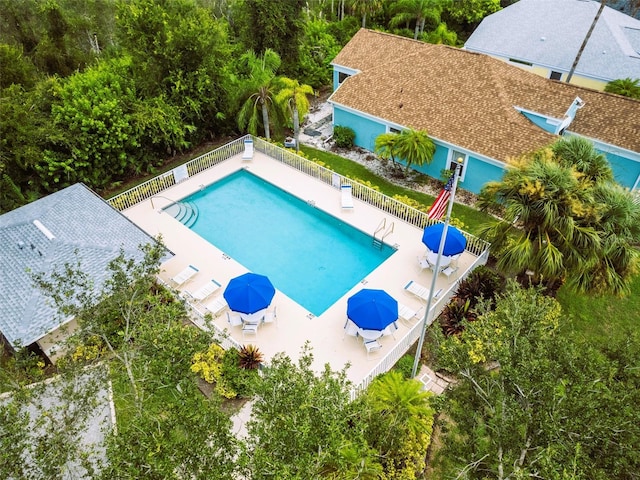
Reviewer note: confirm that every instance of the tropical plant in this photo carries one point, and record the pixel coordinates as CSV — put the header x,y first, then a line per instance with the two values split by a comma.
x,y
554,224
454,315
260,88
399,420
293,98
250,357
579,153
416,147
418,11
626,87
483,283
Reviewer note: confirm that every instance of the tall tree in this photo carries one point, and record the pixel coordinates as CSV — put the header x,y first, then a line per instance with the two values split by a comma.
x,y
539,413
364,8
278,25
293,97
418,11
554,226
259,88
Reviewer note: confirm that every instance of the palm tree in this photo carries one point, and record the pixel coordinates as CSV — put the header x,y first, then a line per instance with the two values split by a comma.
x,y
415,146
564,224
292,97
385,146
543,209
416,10
626,87
398,408
582,155
364,7
618,222
259,90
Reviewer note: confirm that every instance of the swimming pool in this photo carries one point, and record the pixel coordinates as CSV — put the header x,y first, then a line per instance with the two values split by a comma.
x,y
309,255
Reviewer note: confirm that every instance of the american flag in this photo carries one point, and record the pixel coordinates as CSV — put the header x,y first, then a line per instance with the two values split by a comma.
x,y
440,205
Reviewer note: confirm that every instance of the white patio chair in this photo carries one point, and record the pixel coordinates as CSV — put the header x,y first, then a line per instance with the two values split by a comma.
x,y
250,328
448,271
408,314
423,263
216,306
271,316
372,346
184,276
204,291
234,319
346,198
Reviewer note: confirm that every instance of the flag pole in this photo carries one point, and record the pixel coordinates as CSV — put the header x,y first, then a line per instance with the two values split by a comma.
x,y
443,237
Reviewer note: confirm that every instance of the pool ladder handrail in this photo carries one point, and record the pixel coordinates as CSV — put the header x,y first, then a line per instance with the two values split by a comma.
x,y
381,227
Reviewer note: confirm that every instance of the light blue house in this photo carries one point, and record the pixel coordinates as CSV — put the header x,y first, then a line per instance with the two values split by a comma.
x,y
474,106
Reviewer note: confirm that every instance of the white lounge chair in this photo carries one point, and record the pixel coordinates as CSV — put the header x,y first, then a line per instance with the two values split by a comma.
x,y
204,291
420,291
248,149
271,316
234,319
408,314
216,306
184,276
346,196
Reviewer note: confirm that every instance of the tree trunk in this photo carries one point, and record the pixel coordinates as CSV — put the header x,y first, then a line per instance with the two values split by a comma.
x,y
364,20
296,125
265,121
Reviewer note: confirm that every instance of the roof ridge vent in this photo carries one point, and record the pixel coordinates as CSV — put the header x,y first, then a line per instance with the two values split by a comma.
x,y
45,231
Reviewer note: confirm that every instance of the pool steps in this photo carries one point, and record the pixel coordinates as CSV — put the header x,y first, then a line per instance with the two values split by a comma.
x,y
185,212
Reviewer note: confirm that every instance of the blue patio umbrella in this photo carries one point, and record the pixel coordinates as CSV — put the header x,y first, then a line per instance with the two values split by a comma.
x,y
249,293
372,309
453,245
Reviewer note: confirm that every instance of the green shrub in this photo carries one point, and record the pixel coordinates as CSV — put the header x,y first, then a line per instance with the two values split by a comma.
x,y
405,366
343,136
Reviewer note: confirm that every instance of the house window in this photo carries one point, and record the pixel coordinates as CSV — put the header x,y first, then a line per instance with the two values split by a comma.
x,y
393,130
342,77
555,75
521,62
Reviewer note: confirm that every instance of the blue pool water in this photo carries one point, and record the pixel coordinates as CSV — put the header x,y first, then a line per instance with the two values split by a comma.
x,y
310,256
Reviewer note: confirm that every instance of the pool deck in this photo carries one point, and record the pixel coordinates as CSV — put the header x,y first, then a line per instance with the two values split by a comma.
x,y
295,325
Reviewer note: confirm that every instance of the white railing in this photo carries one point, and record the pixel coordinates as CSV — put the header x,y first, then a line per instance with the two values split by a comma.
x,y
162,182
394,207
367,194
400,348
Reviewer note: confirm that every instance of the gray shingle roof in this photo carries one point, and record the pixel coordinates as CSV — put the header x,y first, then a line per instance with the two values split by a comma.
x,y
469,99
84,228
549,33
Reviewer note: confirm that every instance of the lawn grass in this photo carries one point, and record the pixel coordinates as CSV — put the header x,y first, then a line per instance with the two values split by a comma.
x,y
470,217
599,320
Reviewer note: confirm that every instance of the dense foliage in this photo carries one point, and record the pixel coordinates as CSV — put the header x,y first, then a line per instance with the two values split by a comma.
x,y
553,407
99,91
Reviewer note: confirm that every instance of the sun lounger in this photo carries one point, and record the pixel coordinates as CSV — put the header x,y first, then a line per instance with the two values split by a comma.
x,y
184,276
408,314
420,291
216,306
346,196
248,149
204,291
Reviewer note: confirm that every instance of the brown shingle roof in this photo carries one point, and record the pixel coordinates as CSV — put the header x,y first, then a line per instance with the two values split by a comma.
x,y
470,99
